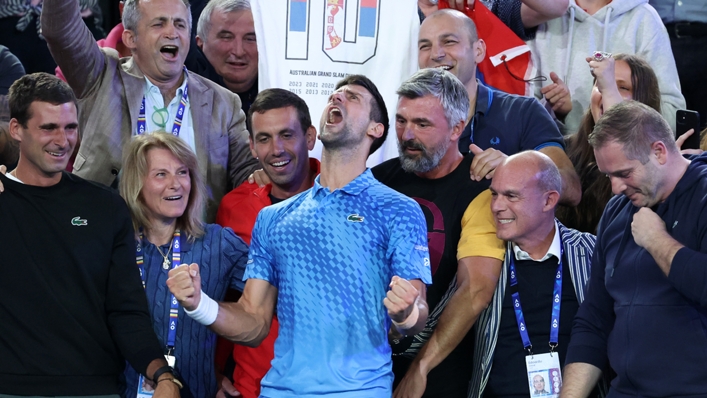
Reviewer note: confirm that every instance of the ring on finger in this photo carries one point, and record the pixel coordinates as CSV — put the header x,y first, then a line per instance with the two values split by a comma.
x,y
601,55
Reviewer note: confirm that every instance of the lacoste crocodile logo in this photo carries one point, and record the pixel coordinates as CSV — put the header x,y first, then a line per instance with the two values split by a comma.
x,y
79,222
354,218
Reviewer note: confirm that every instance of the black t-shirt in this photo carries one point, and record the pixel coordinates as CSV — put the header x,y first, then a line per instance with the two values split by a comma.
x,y
443,201
74,308
536,280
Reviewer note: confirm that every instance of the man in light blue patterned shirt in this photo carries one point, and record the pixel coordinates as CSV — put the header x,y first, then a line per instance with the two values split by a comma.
x,y
341,260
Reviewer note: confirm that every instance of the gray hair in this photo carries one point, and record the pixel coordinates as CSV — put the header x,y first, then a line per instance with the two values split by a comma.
x,y
444,86
635,126
204,25
131,14
549,178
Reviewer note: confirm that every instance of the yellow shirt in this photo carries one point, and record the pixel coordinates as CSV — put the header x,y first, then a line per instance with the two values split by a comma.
x,y
478,237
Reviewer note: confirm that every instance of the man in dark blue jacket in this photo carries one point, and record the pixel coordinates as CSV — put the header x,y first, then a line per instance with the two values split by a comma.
x,y
646,309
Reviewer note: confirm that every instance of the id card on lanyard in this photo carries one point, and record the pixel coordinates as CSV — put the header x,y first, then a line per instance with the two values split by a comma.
x,y
145,388
142,121
543,370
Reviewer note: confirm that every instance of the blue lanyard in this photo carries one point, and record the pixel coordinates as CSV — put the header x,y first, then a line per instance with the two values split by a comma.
x,y
556,302
174,305
141,121
473,119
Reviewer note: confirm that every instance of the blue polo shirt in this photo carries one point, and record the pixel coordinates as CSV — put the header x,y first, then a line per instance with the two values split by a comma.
x,y
509,123
331,256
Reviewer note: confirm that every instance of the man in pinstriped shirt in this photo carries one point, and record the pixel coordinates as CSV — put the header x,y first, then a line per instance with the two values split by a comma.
x,y
525,191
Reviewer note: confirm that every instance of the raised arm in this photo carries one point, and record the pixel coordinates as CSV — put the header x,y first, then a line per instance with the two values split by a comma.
x,y
535,12
72,45
246,321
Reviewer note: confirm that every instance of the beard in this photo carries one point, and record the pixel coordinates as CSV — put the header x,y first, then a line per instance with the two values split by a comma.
x,y
344,139
426,161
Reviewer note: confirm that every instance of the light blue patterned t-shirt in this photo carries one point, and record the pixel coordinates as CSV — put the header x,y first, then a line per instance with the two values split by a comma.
x,y
331,255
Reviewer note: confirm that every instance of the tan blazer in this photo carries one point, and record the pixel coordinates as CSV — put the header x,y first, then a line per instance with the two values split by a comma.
x,y
110,91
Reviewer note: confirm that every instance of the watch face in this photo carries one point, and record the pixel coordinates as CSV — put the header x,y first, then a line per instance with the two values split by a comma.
x,y
434,2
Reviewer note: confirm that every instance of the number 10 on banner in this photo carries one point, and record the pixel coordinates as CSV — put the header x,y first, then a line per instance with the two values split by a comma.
x,y
349,29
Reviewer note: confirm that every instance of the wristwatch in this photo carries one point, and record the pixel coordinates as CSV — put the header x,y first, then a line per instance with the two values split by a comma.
x,y
166,369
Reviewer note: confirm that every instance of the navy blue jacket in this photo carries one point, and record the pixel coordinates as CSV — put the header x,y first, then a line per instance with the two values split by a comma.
x,y
653,327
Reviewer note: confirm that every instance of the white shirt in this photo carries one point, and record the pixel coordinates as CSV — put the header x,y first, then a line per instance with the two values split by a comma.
x,y
154,99
13,178
554,250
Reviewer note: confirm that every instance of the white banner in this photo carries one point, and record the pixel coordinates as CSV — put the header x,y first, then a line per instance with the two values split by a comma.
x,y
306,46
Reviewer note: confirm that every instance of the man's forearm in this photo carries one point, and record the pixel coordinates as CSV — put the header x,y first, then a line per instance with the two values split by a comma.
x,y
579,380
238,325
72,45
154,365
476,281
663,251
535,12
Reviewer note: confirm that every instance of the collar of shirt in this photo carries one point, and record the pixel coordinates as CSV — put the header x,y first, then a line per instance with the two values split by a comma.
x,y
153,95
554,250
355,187
13,178
153,98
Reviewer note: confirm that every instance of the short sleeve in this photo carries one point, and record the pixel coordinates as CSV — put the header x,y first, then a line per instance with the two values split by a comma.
x,y
539,130
407,250
234,254
260,260
478,237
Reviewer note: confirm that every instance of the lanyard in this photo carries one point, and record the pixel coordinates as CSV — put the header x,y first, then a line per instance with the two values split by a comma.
x,y
556,302
142,124
473,119
174,305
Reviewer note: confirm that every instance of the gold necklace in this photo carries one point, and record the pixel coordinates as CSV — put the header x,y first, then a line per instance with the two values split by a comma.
x,y
165,264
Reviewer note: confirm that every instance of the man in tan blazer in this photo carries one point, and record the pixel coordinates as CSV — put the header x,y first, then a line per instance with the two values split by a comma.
x,y
112,91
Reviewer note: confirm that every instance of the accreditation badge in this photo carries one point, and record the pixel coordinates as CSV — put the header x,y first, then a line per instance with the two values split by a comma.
x,y
544,376
145,388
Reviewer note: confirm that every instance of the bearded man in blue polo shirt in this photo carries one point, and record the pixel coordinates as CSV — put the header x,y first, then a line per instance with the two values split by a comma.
x,y
341,261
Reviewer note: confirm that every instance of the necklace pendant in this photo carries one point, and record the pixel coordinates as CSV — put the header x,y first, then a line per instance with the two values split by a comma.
x,y
165,263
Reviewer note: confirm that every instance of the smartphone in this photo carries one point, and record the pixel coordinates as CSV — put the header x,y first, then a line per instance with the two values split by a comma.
x,y
687,120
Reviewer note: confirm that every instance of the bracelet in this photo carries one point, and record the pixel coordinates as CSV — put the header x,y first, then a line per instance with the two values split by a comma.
x,y
173,380
159,372
206,312
411,320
